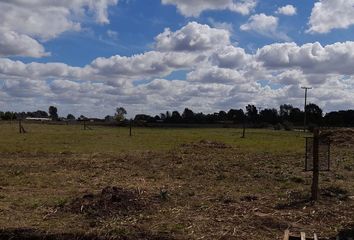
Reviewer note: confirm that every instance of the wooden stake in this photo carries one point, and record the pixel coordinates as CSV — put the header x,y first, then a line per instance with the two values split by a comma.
x,y
130,127
244,128
316,172
303,236
21,128
286,234
315,236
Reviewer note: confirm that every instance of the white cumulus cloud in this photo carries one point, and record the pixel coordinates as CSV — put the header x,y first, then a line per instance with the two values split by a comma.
x,y
28,23
193,8
192,37
329,14
288,10
264,25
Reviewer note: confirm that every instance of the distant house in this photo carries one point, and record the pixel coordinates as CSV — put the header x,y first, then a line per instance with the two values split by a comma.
x,y
38,119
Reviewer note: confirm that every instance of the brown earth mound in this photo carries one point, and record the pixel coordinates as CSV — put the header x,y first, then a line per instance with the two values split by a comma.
x,y
207,144
340,137
110,201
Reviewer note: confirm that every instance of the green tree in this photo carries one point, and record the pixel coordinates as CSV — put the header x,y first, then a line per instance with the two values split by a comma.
x,y
70,117
314,114
120,114
53,112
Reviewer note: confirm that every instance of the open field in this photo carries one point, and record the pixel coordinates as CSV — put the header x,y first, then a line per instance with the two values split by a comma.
x,y
167,184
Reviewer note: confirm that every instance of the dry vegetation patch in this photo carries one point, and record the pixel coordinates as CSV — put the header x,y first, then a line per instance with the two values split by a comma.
x,y
201,190
343,137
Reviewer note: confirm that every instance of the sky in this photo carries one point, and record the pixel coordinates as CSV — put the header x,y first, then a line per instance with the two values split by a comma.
x,y
151,56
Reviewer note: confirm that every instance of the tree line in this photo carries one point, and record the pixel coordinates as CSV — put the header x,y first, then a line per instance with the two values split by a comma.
x,y
286,116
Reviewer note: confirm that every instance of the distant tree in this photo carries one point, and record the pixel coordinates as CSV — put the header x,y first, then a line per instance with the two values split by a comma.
x,y
269,116
296,116
109,118
19,115
343,118
9,116
201,118
285,110
120,114
188,115
162,116
314,114
143,118
70,117
176,117
168,115
53,112
222,116
82,117
252,113
235,115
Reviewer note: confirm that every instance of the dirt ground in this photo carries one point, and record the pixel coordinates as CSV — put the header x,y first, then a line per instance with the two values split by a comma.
x,y
201,190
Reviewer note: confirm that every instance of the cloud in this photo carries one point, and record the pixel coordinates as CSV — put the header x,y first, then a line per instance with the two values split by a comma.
x,y
328,15
192,37
221,25
25,88
264,25
218,76
337,58
27,23
288,10
193,8
112,34
148,65
39,71
230,57
14,44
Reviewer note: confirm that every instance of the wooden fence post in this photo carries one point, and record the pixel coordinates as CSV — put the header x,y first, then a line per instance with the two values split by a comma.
x,y
244,128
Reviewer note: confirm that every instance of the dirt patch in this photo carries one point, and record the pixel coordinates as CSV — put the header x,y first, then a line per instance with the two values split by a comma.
x,y
207,144
111,201
343,137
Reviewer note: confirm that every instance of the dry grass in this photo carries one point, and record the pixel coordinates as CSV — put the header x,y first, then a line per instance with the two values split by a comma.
x,y
194,190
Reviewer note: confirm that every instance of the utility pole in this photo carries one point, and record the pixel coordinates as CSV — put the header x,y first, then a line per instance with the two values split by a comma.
x,y
305,117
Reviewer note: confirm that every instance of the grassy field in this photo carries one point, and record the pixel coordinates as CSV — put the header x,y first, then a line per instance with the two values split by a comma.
x,y
73,139
166,184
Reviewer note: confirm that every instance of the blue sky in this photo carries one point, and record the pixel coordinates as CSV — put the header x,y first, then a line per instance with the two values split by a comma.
x,y
119,53
138,22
